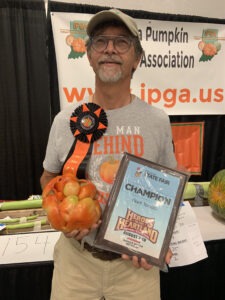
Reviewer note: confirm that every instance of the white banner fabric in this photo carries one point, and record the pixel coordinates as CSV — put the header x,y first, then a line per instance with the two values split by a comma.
x,y
181,72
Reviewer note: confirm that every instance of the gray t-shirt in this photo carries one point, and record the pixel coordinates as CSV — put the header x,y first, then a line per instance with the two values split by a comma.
x,y
137,128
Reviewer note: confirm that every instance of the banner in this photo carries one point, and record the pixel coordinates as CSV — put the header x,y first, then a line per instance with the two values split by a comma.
x,y
182,70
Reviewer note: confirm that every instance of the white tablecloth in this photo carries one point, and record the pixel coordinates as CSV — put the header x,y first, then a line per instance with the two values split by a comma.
x,y
211,227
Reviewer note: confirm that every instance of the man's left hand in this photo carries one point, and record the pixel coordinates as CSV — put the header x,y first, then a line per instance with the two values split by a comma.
x,y
142,263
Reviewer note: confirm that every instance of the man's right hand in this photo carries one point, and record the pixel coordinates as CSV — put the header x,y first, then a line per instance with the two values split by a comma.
x,y
79,234
46,177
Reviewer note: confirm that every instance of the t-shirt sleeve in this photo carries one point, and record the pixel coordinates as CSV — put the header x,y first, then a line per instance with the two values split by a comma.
x,y
51,162
167,157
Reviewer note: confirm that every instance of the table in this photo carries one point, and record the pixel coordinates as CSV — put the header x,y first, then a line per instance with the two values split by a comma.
x,y
203,280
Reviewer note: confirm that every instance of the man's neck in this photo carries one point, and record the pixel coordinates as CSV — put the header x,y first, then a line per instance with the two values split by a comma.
x,y
112,96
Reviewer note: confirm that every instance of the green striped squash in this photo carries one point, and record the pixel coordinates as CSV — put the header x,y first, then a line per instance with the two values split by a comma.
x,y
216,193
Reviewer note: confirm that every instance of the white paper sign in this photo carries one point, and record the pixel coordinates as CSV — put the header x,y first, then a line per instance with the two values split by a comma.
x,y
186,244
23,248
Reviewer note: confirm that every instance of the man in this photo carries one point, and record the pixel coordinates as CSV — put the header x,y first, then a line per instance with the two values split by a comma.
x,y
80,272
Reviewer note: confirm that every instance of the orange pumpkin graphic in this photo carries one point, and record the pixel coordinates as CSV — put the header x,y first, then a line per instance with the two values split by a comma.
x,y
108,170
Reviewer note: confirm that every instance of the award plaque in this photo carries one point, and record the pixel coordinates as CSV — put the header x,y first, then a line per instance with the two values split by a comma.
x,y
141,210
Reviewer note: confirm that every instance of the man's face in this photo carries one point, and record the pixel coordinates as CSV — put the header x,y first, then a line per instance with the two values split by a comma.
x,y
109,65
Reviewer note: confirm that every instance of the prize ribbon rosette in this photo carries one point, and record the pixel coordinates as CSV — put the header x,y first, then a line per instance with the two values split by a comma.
x,y
88,123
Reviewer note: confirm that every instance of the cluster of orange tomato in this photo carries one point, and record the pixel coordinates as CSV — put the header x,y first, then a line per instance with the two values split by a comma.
x,y
70,203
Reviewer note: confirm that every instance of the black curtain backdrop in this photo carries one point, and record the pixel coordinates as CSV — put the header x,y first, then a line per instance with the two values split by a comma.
x,y
214,133
25,97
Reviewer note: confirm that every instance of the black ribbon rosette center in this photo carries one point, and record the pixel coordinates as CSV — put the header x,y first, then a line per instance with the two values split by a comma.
x,y
88,122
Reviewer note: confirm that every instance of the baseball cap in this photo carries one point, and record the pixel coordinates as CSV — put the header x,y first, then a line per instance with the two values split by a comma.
x,y
110,15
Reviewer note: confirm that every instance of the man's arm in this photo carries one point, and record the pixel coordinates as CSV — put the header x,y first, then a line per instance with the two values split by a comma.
x,y
46,177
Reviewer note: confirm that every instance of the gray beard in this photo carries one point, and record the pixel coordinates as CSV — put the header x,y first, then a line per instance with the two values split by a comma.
x,y
107,78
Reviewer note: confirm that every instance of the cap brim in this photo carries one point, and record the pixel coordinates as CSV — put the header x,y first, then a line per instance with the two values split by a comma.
x,y
104,16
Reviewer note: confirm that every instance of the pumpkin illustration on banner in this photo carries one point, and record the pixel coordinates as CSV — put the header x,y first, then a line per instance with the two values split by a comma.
x,y
216,193
108,169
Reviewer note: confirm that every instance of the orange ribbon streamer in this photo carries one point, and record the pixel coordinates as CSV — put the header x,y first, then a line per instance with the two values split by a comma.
x,y
73,163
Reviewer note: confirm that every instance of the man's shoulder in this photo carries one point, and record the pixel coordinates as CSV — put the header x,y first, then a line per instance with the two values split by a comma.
x,y
148,108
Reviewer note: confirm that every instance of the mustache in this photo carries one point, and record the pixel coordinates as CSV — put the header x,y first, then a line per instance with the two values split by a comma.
x,y
110,59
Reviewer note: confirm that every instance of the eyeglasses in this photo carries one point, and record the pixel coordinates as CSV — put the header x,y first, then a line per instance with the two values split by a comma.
x,y
121,43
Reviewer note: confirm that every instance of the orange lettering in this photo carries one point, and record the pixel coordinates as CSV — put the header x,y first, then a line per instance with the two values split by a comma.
x,y
219,94
138,145
184,96
108,145
75,95
126,143
119,144
169,96
151,98
143,91
207,98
